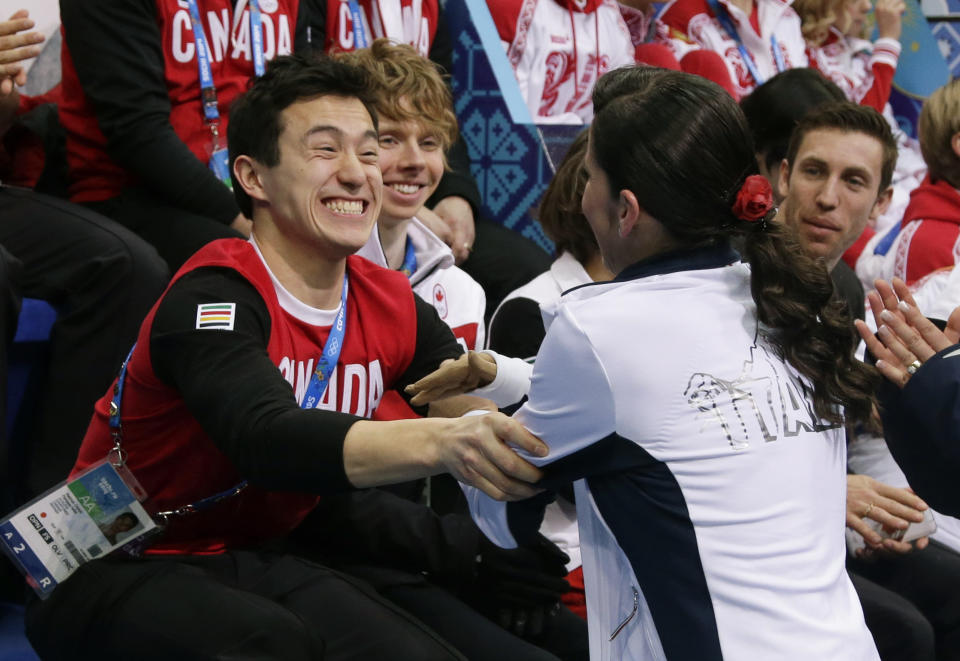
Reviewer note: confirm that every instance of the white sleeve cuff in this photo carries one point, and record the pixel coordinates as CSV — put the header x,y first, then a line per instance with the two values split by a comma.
x,y
511,383
886,51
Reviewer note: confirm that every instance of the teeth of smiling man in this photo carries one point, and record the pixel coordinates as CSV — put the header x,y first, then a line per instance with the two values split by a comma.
x,y
354,207
406,188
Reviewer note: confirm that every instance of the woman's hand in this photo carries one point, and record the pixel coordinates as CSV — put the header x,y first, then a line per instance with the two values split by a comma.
x,y
892,507
454,377
907,338
889,16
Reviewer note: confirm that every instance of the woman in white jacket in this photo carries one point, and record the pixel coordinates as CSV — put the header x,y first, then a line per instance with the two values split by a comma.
x,y
700,400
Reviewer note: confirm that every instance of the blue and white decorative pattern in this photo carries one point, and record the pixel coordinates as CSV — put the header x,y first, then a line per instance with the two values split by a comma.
x,y
947,34
507,159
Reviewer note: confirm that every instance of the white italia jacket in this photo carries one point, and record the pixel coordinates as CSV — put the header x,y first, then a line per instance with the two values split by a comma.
x,y
711,501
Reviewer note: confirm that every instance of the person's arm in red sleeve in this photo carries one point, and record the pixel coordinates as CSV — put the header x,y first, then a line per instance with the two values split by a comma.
x,y
115,47
883,62
886,53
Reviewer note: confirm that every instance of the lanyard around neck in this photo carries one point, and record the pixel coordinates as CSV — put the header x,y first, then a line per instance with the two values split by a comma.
x,y
409,266
327,362
208,91
726,22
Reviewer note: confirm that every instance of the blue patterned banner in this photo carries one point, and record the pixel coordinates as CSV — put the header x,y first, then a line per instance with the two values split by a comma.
x,y
507,158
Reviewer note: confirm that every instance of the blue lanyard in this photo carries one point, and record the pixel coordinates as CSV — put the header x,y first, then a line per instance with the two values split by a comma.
x,y
256,38
327,362
208,91
117,432
318,385
409,266
118,394
723,17
359,34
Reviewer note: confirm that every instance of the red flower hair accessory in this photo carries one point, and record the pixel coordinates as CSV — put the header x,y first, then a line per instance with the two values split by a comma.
x,y
754,199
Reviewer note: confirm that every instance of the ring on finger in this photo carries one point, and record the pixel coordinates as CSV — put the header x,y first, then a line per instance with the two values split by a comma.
x,y
867,511
913,367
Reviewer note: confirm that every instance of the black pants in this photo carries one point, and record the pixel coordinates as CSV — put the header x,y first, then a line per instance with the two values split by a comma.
x,y
426,564
175,233
103,280
911,603
900,631
474,635
239,605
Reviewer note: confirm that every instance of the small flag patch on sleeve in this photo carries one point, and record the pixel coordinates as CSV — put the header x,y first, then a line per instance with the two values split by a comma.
x,y
216,316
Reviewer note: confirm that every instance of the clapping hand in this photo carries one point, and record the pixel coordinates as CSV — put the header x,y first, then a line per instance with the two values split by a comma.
x,y
16,45
907,338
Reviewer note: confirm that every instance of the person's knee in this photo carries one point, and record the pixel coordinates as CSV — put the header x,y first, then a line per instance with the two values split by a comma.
x,y
424,649
919,636
134,265
282,636
164,610
909,638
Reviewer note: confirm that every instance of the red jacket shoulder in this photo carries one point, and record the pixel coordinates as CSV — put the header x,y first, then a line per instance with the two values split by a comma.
x,y
505,14
931,248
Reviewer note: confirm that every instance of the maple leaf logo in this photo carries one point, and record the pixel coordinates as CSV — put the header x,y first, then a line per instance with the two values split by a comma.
x,y
440,300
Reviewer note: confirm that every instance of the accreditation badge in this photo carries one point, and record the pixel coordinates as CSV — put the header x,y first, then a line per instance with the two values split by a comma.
x,y
220,165
85,518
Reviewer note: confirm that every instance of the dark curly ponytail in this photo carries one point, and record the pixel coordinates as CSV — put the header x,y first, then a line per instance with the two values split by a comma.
x,y
795,296
689,155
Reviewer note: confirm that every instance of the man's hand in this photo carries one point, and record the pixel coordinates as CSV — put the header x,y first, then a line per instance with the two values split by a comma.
x,y
888,14
892,507
454,377
479,451
457,214
907,338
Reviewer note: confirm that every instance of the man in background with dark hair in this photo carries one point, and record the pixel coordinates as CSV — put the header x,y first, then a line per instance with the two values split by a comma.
x,y
773,110
835,179
838,166
247,391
